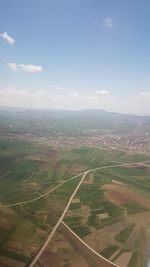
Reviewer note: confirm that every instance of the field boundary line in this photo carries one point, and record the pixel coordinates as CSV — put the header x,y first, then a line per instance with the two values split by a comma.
x,y
74,177
33,262
86,245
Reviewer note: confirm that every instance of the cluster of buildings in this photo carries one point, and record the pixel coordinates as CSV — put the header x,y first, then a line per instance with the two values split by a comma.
x,y
106,142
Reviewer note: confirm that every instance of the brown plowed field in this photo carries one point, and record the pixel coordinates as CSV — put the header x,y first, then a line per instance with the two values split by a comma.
x,y
5,261
124,259
50,259
122,194
117,197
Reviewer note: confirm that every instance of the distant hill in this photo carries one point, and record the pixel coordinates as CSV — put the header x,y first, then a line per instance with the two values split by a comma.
x,y
71,122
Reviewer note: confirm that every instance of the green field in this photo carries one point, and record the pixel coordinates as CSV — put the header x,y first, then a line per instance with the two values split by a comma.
x,y
109,251
125,233
27,171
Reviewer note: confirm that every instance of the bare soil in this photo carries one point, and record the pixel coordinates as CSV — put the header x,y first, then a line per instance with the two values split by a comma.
x,y
96,240
109,232
51,259
20,248
117,197
7,218
5,261
77,167
36,157
124,259
85,212
120,193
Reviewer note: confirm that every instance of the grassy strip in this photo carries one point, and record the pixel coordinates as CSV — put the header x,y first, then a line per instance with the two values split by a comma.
x,y
127,180
4,235
81,231
14,255
75,206
133,261
125,233
133,207
73,221
109,251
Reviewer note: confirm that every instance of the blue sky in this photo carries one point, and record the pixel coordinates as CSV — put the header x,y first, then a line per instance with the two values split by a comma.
x,y
75,54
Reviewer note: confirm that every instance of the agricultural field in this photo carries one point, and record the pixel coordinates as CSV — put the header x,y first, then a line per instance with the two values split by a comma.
x,y
28,172
114,205
107,211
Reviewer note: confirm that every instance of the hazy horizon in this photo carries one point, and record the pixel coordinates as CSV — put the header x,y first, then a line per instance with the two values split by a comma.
x,y
70,110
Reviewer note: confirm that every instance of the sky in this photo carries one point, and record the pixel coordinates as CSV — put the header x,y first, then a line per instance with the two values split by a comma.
x,y
75,54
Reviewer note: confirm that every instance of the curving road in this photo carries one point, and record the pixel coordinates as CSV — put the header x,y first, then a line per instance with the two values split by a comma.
x,y
90,255
58,223
74,177
68,204
41,196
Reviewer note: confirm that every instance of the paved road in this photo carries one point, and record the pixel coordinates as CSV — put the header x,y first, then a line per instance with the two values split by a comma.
x,y
68,204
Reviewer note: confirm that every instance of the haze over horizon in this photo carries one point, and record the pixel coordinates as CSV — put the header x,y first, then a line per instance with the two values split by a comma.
x,y
75,55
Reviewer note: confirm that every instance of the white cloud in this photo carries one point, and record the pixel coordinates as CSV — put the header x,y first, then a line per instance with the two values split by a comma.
x,y
145,94
49,98
7,38
44,98
73,95
25,95
99,95
12,66
102,92
109,22
29,68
